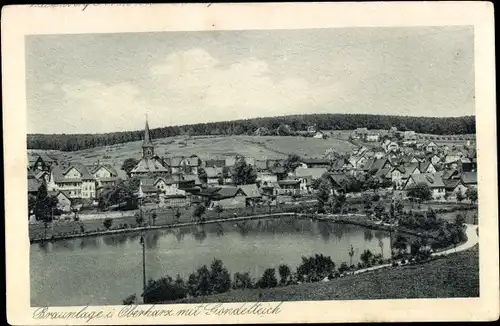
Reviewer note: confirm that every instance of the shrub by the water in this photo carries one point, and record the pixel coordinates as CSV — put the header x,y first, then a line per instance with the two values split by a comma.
x,y
315,268
164,289
268,279
242,281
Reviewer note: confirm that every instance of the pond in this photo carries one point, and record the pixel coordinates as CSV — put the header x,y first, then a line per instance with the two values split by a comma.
x,y
106,269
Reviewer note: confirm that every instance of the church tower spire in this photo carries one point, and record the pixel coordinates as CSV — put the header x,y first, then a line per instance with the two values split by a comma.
x,y
147,145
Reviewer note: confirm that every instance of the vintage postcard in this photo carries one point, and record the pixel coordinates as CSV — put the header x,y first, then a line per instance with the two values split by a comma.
x,y
250,163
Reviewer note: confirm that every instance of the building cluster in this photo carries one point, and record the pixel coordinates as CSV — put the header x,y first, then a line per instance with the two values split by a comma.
x,y
398,162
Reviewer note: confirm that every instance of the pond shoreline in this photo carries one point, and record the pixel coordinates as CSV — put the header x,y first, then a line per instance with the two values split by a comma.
x,y
340,219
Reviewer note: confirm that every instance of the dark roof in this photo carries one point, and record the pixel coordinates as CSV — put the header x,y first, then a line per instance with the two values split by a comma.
x,y
448,174
315,161
451,183
108,167
278,170
382,173
33,185
338,178
250,190
378,164
288,182
215,163
469,177
58,173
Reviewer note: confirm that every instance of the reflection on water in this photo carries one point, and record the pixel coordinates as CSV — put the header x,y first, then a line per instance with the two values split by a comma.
x,y
368,234
106,269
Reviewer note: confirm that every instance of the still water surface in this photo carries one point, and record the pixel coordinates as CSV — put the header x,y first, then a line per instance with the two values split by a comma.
x,y
106,269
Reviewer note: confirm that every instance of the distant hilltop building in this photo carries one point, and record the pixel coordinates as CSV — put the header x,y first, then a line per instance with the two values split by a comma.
x,y
150,165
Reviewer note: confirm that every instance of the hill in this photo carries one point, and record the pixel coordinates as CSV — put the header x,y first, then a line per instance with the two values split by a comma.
x,y
273,125
208,147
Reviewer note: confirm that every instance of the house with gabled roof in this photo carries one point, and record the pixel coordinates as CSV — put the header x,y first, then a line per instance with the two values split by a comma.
x,y
430,147
397,173
42,162
410,169
64,200
104,174
185,165
170,187
453,187
75,179
427,167
432,180
224,196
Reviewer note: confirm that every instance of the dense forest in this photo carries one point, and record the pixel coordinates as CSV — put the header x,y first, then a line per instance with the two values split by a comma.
x,y
272,125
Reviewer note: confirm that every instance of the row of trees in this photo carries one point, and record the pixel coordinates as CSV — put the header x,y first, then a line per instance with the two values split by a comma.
x,y
217,279
284,125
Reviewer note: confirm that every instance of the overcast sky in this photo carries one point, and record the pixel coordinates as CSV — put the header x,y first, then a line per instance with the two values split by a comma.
x,y
108,82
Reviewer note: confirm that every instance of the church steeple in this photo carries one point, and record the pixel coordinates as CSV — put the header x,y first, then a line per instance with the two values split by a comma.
x,y
147,145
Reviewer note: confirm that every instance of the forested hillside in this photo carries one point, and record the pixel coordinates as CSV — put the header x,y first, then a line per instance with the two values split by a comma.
x,y
427,125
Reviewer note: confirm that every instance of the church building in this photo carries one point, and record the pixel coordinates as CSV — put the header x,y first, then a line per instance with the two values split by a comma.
x,y
150,164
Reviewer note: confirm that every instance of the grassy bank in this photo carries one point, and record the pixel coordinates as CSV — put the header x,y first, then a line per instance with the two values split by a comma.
x,y
453,276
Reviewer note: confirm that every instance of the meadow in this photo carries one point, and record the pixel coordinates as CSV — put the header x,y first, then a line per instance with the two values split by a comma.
x,y
210,147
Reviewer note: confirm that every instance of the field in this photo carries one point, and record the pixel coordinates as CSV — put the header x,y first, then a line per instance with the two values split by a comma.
x,y
454,276
210,147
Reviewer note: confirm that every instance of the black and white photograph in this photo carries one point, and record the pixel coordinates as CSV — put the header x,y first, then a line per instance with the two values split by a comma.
x,y
251,166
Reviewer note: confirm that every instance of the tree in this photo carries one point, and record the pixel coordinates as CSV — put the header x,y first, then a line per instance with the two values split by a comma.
x,y
268,279
323,194
130,300
460,196
284,130
242,281
285,274
291,162
202,175
471,194
139,218
343,267
460,220
351,254
199,210
218,209
199,282
379,210
44,207
107,223
243,173
315,268
366,257
164,289
220,279
129,164
177,215
31,203
400,244
419,192
367,201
